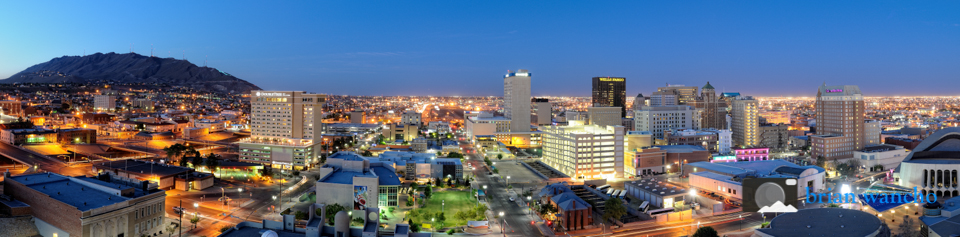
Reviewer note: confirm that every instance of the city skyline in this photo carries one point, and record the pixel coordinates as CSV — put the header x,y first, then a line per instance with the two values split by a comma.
x,y
762,49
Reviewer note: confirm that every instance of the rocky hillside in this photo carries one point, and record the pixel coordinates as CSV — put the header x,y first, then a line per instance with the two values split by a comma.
x,y
131,68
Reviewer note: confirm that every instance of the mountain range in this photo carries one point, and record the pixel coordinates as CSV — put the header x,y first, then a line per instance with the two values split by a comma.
x,y
131,68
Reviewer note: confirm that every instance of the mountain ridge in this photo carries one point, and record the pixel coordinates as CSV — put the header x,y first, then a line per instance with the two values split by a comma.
x,y
131,68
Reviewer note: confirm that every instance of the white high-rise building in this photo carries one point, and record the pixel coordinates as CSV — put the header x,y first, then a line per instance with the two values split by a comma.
x,y
746,121
104,102
516,100
410,117
584,151
284,129
657,119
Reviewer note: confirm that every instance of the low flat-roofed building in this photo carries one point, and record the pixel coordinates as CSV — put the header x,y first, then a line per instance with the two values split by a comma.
x,y
105,205
724,178
941,219
356,183
823,222
163,174
679,155
881,157
18,137
657,192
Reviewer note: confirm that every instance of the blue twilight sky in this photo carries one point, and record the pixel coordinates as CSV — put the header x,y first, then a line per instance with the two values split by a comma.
x,y
763,48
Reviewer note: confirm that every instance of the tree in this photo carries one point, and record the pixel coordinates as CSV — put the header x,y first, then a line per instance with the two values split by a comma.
x,y
170,229
196,161
428,191
366,153
323,158
706,231
414,226
908,227
499,156
454,155
184,162
225,228
822,162
357,221
192,152
300,215
194,221
212,162
332,211
436,181
463,216
480,210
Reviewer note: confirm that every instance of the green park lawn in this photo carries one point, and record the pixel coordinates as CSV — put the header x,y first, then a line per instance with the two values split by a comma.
x,y
454,200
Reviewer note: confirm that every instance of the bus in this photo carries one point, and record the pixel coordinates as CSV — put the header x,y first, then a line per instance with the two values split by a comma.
x,y
615,193
610,191
660,211
601,188
644,206
622,195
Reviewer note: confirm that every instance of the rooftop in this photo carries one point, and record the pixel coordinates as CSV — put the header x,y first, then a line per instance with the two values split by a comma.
x,y
143,167
945,226
386,176
681,148
658,187
253,231
823,222
83,193
880,148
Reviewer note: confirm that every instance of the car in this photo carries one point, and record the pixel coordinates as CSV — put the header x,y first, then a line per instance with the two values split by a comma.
x,y
513,199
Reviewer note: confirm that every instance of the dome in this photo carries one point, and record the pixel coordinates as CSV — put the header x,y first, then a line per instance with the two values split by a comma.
x,y
708,86
269,233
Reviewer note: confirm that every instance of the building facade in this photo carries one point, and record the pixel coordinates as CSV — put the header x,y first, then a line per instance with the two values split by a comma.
x,y
285,129
774,136
411,117
840,126
604,116
105,205
657,119
543,110
713,111
105,103
584,151
610,92
745,121
516,100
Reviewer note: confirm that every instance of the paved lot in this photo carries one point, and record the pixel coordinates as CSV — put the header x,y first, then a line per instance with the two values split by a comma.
x,y
517,172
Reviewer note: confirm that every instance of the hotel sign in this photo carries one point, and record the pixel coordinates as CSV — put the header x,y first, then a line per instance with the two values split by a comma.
x,y
834,90
611,79
271,94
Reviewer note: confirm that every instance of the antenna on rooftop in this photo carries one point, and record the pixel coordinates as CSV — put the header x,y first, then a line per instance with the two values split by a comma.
x,y
205,60
151,50
183,56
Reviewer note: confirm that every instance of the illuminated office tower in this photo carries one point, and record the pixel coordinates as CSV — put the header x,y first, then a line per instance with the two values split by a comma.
x,y
516,100
284,129
745,121
610,92
840,124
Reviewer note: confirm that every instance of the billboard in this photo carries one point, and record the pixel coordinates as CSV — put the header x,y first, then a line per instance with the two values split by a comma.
x,y
360,197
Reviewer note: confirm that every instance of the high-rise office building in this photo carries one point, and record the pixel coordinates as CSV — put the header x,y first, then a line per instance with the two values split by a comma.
x,y
745,121
516,100
610,92
657,119
584,151
543,110
713,110
106,101
840,123
604,116
411,117
685,94
284,128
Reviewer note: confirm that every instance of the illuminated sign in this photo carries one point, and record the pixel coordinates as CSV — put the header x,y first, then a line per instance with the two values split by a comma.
x,y
724,158
272,94
611,79
834,90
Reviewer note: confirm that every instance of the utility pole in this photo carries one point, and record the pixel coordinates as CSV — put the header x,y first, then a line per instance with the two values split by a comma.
x,y
180,225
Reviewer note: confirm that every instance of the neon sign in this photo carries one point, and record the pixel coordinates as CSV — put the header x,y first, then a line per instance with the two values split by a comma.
x,y
611,79
834,90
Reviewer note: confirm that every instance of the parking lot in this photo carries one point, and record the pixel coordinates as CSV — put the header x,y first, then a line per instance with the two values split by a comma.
x,y
542,168
517,173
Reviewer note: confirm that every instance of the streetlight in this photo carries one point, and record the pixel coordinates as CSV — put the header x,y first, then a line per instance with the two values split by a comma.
x,y
508,180
196,208
741,221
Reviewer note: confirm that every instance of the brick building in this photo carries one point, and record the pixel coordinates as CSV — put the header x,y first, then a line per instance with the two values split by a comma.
x,y
104,205
575,213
